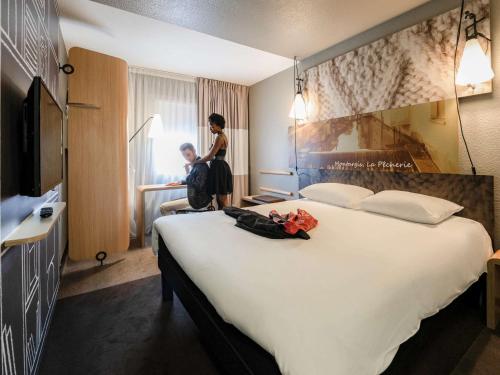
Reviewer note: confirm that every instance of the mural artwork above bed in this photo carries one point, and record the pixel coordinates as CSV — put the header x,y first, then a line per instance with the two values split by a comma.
x,y
388,105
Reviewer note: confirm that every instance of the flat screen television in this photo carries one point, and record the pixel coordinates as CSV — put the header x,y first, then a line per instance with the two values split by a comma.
x,y
42,161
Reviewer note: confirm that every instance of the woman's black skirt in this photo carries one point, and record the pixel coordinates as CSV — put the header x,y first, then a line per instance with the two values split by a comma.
x,y
220,178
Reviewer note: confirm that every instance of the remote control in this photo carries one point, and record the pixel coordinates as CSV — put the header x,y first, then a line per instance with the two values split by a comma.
x,y
46,212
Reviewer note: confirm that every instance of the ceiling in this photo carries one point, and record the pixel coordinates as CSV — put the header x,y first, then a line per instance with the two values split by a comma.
x,y
284,27
149,43
241,41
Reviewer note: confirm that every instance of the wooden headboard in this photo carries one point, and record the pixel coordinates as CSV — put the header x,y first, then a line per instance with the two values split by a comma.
x,y
474,193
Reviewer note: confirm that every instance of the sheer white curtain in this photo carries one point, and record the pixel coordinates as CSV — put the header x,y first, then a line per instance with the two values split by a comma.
x,y
158,160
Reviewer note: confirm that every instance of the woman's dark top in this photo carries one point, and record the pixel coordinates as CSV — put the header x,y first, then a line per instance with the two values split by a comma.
x,y
220,178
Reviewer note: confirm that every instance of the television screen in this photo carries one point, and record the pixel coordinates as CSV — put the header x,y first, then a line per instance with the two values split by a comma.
x,y
42,141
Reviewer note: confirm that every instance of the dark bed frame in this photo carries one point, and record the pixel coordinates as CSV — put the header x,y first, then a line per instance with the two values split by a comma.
x,y
237,354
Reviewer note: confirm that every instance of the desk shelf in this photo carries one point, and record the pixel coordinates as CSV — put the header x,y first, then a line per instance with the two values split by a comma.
x,y
141,190
34,228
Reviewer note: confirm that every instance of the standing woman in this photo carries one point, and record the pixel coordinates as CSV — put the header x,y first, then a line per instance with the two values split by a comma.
x,y
220,178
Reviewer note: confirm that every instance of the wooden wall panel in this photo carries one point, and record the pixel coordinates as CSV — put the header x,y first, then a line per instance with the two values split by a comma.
x,y
97,155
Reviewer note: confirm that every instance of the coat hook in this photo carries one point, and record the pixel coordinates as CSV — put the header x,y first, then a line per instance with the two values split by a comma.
x,y
67,69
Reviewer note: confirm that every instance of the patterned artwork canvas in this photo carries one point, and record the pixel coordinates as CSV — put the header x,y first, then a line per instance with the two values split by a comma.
x,y
350,101
419,138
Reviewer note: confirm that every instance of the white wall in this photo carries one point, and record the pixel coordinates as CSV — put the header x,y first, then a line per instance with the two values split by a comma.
x,y
270,102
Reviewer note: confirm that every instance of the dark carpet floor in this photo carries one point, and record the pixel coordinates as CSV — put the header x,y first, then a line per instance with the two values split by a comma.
x,y
126,329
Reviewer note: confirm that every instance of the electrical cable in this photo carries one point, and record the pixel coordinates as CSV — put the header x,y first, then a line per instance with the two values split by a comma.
x,y
296,78
473,168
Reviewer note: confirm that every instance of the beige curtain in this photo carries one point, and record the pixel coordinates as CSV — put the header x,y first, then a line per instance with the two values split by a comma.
x,y
231,101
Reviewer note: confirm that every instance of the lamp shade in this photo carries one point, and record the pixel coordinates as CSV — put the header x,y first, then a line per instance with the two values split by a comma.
x,y
475,66
156,129
298,110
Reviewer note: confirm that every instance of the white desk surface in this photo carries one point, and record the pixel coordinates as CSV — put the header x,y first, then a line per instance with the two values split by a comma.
x,y
144,188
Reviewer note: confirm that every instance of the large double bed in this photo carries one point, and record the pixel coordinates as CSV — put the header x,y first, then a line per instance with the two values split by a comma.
x,y
340,303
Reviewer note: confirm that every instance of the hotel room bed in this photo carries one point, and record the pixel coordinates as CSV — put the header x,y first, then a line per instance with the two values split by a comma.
x,y
341,302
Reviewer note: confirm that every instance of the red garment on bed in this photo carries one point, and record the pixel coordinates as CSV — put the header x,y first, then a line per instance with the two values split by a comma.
x,y
293,222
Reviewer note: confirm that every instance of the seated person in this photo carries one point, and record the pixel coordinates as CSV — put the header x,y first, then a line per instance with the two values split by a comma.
x,y
196,179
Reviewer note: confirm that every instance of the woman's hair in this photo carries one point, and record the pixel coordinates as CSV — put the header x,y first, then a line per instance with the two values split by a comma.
x,y
217,119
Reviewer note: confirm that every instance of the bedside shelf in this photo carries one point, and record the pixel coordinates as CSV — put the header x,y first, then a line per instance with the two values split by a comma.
x,y
249,201
34,228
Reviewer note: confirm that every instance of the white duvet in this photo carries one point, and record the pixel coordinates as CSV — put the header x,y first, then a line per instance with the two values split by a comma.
x,y
340,303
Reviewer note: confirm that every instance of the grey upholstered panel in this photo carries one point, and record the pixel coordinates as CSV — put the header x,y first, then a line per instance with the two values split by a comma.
x,y
475,193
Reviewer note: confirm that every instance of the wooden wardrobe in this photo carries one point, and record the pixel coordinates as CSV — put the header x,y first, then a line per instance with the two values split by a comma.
x,y
97,155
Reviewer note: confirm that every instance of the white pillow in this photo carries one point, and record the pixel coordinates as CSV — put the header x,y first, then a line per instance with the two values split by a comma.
x,y
348,196
410,206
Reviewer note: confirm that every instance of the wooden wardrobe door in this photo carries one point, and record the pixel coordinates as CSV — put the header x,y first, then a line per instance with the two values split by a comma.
x,y
97,155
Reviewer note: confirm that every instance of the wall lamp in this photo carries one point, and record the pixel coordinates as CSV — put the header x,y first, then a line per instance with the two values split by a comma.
x,y
298,110
475,66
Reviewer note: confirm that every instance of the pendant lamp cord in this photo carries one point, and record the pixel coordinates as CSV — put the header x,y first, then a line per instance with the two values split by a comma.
x,y
295,76
295,90
473,168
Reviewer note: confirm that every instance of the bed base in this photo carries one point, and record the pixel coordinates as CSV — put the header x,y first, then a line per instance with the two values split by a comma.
x,y
236,354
